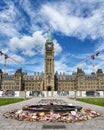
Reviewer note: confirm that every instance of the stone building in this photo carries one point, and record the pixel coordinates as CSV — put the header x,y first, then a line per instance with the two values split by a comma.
x,y
49,80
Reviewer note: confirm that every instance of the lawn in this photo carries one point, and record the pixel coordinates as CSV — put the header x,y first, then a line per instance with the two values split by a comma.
x,y
95,101
5,101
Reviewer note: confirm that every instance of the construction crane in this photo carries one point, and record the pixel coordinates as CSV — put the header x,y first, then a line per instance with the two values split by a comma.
x,y
5,60
92,57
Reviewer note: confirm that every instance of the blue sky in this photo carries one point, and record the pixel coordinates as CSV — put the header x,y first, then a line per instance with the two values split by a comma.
x,y
77,32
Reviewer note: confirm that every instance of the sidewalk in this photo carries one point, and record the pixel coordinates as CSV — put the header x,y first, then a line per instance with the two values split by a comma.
x,y
9,124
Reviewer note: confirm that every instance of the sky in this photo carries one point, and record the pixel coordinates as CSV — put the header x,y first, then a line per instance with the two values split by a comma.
x,y
77,30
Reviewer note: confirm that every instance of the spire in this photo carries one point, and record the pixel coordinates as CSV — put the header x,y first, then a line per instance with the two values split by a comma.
x,y
49,35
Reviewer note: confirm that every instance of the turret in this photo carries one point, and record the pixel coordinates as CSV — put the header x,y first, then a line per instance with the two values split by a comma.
x,y
19,79
80,79
80,72
99,72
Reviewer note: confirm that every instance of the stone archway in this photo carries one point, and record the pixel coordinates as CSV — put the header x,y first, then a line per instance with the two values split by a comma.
x,y
49,91
49,88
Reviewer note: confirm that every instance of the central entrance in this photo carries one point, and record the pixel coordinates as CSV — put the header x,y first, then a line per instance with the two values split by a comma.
x,y
49,88
49,91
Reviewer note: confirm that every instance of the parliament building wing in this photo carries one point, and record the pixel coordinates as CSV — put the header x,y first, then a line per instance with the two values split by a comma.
x,y
49,80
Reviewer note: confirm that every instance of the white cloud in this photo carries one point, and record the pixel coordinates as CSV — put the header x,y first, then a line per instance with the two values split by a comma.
x,y
29,45
14,19
7,20
69,18
57,47
32,45
16,59
12,63
62,65
91,65
13,59
68,65
81,19
33,68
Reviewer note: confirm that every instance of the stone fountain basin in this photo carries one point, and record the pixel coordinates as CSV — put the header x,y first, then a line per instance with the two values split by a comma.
x,y
55,108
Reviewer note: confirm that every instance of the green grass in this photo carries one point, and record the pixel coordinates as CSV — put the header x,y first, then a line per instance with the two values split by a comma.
x,y
95,101
6,101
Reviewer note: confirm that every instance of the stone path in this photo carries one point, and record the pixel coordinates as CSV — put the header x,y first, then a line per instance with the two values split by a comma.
x,y
9,124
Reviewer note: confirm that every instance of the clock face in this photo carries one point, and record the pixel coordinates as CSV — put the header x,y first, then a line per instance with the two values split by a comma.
x,y
49,46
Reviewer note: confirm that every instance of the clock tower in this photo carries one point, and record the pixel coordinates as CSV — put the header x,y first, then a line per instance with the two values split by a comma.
x,y
49,64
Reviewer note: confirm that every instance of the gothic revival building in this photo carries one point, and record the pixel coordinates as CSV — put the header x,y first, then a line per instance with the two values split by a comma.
x,y
49,80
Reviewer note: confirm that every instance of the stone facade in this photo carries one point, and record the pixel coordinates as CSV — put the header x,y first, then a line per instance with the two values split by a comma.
x,y
50,81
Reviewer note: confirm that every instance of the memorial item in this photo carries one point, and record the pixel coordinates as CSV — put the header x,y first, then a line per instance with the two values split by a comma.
x,y
53,111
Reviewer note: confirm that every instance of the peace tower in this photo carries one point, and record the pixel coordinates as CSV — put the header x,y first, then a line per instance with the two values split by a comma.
x,y
49,64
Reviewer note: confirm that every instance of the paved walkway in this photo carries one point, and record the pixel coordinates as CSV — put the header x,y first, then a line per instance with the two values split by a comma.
x,y
10,124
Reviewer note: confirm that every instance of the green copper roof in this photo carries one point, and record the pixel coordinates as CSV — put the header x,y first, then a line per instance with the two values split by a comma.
x,y
49,36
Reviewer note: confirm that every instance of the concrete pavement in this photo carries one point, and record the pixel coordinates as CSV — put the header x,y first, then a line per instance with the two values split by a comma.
x,y
10,124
